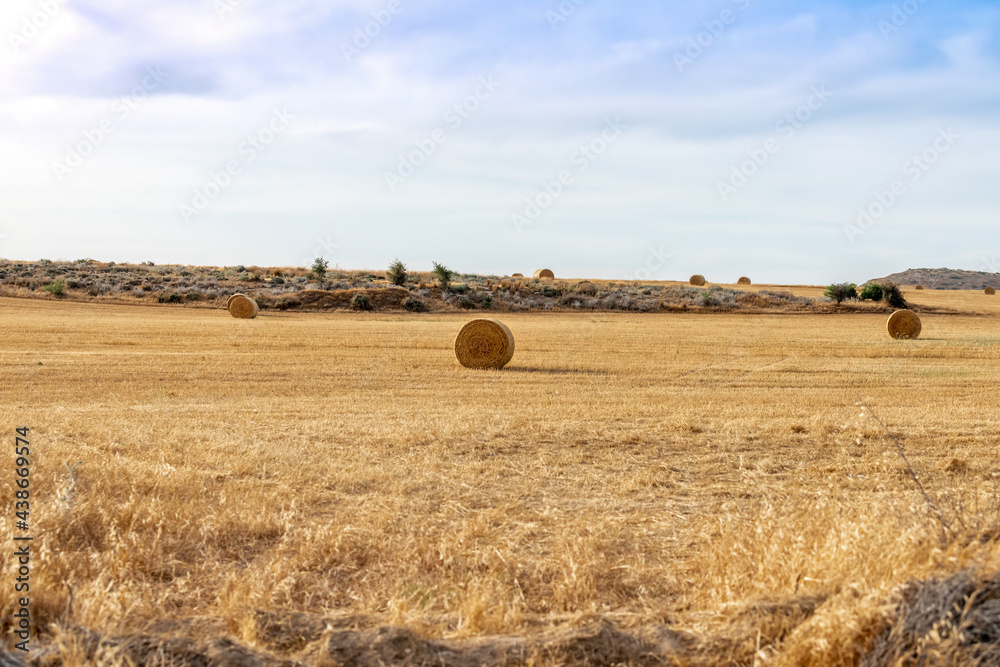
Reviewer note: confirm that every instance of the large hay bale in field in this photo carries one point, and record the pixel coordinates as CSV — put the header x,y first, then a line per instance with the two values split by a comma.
x,y
484,343
517,275
903,324
242,307
697,280
585,287
743,281
990,291
544,274
919,287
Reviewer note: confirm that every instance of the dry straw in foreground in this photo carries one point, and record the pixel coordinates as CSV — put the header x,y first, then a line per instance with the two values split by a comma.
x,y
990,291
545,274
903,324
743,281
242,307
697,280
484,343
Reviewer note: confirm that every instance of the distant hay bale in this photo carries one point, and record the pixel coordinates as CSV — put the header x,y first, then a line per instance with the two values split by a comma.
x,y
697,280
743,281
919,287
484,343
242,307
990,291
585,287
544,274
517,275
903,324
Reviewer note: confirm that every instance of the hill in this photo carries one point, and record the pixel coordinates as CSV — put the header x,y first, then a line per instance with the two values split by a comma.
x,y
954,279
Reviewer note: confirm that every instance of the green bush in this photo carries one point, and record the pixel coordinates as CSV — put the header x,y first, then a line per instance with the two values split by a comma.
x,y
892,295
361,302
871,292
443,274
55,288
839,292
414,305
173,297
397,273
319,268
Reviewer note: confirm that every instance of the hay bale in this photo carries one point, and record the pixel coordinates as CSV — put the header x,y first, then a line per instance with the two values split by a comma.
x,y
697,280
990,291
517,275
484,343
544,274
585,287
743,281
242,307
919,287
903,324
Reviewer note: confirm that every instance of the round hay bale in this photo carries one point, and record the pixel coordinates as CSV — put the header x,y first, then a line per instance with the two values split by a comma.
x,y
919,287
484,343
585,287
697,280
990,291
903,324
517,275
242,307
545,274
743,281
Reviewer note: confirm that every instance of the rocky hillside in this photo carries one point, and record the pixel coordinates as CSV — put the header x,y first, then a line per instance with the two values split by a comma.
x,y
945,279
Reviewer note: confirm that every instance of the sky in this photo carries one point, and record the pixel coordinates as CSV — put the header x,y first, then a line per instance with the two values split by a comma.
x,y
801,142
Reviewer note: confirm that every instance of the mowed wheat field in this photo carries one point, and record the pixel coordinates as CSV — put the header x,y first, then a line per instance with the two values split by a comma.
x,y
705,483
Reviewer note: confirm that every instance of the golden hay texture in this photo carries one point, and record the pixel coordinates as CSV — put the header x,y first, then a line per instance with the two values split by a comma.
x,y
517,275
697,280
484,343
903,324
329,490
743,281
990,291
919,287
544,274
242,307
585,287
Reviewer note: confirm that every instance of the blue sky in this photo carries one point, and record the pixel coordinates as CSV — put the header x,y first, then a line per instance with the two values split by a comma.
x,y
793,142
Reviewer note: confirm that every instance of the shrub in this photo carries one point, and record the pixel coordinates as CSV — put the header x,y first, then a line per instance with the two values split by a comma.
x,y
892,295
708,299
244,277
361,302
443,275
55,288
487,302
414,305
319,268
467,303
277,280
871,292
173,297
839,292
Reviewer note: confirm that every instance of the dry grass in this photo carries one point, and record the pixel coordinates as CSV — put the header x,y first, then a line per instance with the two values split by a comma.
x,y
698,486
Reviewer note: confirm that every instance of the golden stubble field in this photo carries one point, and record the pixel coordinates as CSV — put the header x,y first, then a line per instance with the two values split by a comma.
x,y
691,489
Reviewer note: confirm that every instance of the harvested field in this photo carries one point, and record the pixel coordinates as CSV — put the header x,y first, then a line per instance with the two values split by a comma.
x,y
322,488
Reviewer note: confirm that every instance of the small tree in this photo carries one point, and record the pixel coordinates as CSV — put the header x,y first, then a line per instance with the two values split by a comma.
x,y
443,275
56,287
397,273
871,292
319,268
892,295
839,292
